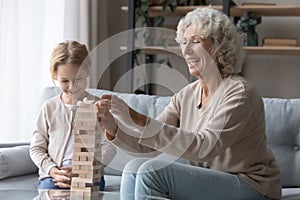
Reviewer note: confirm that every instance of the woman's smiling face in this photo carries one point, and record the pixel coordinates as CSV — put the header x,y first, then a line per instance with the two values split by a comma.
x,y
195,50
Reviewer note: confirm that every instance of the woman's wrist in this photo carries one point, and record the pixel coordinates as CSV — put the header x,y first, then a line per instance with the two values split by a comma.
x,y
111,136
138,118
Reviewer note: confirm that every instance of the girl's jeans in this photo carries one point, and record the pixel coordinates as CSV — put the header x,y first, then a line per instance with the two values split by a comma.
x,y
47,183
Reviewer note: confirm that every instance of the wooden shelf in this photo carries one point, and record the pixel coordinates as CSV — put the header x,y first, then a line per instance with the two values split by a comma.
x,y
157,50
248,50
273,50
262,10
266,10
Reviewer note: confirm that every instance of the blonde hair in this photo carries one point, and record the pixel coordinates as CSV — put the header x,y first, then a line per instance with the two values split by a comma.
x,y
69,52
227,51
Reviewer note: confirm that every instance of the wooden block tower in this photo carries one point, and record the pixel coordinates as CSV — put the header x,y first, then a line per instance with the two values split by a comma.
x,y
87,151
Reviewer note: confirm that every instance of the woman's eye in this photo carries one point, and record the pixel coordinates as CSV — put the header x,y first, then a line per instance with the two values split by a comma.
x,y
64,81
196,41
79,79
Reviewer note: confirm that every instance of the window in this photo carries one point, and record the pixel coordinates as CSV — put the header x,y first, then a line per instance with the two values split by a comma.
x,y
29,31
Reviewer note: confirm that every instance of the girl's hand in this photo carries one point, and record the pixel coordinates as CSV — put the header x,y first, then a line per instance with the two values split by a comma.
x,y
62,177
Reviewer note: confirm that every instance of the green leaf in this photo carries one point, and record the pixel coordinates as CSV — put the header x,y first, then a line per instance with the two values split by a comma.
x,y
161,61
144,7
169,63
158,21
165,42
172,4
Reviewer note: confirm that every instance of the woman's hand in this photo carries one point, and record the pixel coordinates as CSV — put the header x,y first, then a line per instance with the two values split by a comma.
x,y
111,104
62,177
107,121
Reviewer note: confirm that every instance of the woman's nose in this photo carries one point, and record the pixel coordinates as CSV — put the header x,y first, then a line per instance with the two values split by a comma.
x,y
186,49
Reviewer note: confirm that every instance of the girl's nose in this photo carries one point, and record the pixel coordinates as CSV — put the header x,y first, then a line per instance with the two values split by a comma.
x,y
71,85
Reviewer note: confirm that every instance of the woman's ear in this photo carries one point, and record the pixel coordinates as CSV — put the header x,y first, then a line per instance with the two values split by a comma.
x,y
89,70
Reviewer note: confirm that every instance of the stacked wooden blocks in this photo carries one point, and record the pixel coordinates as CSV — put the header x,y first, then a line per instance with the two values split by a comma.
x,y
87,151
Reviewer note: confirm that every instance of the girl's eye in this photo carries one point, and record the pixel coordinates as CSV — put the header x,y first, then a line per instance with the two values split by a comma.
x,y
196,41
64,81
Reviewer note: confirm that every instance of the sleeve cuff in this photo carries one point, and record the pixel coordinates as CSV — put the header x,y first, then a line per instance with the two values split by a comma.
x,y
49,168
152,128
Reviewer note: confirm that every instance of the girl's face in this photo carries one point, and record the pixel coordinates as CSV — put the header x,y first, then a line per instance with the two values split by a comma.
x,y
72,82
196,51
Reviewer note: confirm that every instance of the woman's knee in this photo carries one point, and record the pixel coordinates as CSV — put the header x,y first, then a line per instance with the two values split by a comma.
x,y
133,165
153,165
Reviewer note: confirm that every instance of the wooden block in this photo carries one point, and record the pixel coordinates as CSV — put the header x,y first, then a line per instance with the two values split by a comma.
x,y
81,175
76,193
89,149
86,163
87,145
83,158
86,123
80,149
258,4
279,42
94,171
75,167
74,184
82,132
88,133
86,180
87,189
93,109
86,115
75,158
88,140
89,195
81,180
92,128
91,168
93,176
84,149
94,136
88,154
86,158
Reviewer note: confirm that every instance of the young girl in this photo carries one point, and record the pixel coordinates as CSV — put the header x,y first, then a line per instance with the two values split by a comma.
x,y
51,147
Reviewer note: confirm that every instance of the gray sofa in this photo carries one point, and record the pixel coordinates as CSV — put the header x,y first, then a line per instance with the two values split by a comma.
x,y
282,127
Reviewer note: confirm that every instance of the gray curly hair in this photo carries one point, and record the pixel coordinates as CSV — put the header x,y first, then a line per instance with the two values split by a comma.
x,y
227,51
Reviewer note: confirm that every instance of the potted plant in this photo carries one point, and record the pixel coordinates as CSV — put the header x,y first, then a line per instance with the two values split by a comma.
x,y
246,25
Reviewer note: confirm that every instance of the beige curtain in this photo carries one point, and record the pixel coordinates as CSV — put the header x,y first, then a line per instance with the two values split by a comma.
x,y
86,21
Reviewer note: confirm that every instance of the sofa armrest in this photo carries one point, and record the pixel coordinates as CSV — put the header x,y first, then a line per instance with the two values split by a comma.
x,y
15,161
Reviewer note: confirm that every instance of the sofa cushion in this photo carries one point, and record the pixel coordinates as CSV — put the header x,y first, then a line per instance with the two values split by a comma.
x,y
290,194
283,135
15,161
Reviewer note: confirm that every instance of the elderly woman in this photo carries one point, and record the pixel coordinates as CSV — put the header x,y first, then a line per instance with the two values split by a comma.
x,y
216,123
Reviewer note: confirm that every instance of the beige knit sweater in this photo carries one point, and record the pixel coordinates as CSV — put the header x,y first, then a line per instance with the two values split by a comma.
x,y
227,134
